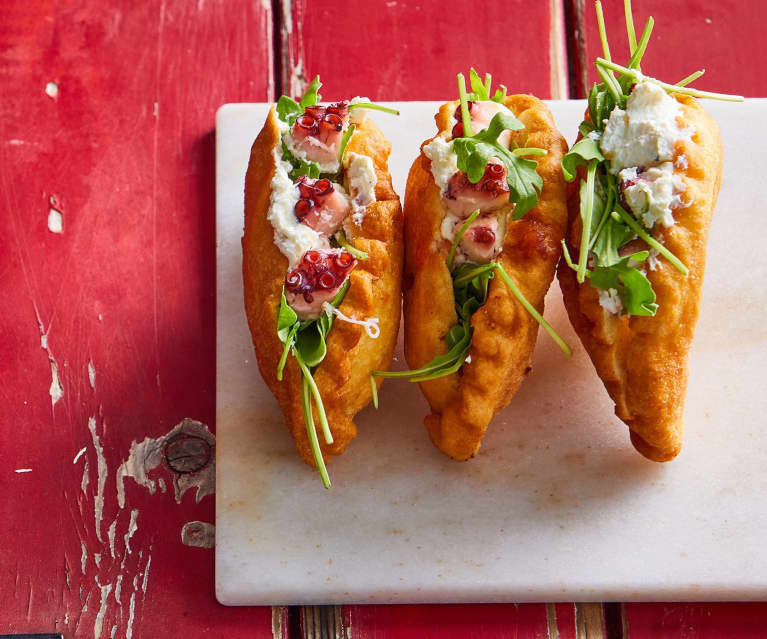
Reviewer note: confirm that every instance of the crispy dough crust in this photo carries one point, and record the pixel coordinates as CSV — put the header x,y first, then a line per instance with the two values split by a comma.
x,y
643,361
504,333
343,376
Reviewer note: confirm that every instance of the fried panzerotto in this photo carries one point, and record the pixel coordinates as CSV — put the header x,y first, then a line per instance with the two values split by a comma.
x,y
649,163
484,216
322,263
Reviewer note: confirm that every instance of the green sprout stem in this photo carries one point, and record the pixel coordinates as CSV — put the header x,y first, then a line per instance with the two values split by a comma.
x,y
344,244
344,142
690,78
374,390
611,83
311,432
532,310
529,150
317,398
488,83
459,237
635,226
602,30
636,57
588,212
373,107
465,117
637,75
630,26
467,277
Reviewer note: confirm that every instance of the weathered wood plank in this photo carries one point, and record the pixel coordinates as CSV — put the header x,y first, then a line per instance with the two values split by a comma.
x,y
107,272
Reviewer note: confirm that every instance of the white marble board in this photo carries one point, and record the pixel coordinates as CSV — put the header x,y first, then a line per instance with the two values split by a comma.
x,y
557,505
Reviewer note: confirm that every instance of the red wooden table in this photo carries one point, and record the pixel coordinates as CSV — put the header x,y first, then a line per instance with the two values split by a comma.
x,y
107,348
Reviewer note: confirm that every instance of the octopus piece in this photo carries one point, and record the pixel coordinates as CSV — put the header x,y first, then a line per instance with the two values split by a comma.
x,y
481,113
318,131
491,192
482,241
316,280
321,206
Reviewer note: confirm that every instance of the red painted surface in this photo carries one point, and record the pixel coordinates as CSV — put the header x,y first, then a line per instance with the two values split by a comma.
x,y
411,50
477,621
126,148
718,36
697,621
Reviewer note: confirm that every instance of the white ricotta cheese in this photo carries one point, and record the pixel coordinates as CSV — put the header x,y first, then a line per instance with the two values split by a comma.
x,y
362,182
656,192
291,237
610,300
356,116
450,226
644,134
444,162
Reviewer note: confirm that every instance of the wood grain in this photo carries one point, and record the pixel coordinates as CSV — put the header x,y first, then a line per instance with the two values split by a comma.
x,y
107,335
409,50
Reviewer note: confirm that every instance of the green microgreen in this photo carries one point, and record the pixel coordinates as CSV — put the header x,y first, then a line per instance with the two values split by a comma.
x,y
344,143
690,78
459,237
464,101
629,26
373,107
636,57
306,340
602,30
587,210
344,243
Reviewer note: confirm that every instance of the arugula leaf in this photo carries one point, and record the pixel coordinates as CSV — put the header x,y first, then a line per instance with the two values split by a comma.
x,y
500,94
473,153
601,104
633,287
344,142
613,236
285,318
582,153
288,109
477,86
311,97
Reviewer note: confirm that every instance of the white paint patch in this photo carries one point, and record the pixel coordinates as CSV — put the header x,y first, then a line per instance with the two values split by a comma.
x,y
145,579
52,90
156,109
66,618
161,484
97,558
114,632
99,622
23,470
55,221
111,536
118,589
80,453
55,391
92,375
83,557
86,478
198,534
132,528
131,615
98,502
149,454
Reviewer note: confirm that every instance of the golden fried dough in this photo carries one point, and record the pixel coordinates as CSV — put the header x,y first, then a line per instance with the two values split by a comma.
x,y
643,361
463,403
374,291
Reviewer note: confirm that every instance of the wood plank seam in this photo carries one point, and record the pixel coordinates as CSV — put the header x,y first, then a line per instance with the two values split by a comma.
x,y
575,30
589,621
558,75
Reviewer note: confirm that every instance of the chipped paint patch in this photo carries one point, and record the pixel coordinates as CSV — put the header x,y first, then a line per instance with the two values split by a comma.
x,y
198,534
111,536
55,221
98,624
118,589
86,478
97,558
52,90
552,628
277,622
80,453
103,471
132,528
92,375
23,470
83,558
131,615
145,579
144,457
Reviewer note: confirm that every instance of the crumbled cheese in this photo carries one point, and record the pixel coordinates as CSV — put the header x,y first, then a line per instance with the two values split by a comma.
x,y
450,226
291,237
356,116
645,133
444,162
681,162
653,262
610,301
362,180
655,193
